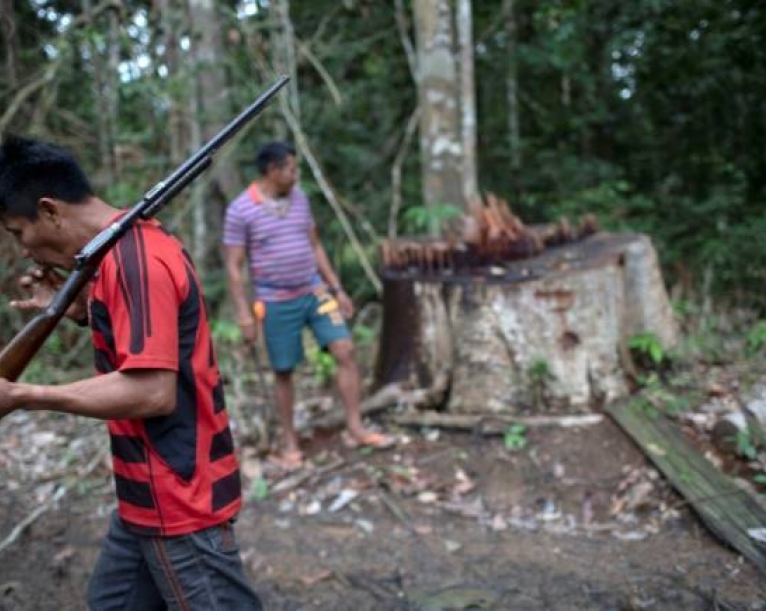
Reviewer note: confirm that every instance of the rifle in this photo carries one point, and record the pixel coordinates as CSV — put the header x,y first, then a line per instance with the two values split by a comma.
x,y
19,352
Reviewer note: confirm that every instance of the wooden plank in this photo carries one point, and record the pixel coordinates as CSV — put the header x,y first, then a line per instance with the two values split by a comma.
x,y
728,510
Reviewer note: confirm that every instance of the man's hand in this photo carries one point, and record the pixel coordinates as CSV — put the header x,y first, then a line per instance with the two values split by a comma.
x,y
345,304
40,284
249,330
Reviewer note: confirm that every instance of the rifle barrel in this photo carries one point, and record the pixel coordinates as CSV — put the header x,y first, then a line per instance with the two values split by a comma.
x,y
17,354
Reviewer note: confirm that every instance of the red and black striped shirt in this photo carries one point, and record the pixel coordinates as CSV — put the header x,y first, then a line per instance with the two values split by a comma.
x,y
174,474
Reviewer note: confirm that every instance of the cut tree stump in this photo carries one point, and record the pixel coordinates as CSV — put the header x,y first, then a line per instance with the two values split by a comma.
x,y
550,329
731,512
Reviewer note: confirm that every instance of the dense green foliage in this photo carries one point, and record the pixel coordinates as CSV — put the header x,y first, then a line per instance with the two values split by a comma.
x,y
649,113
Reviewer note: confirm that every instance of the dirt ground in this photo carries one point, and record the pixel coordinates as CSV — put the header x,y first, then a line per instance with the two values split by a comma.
x,y
574,520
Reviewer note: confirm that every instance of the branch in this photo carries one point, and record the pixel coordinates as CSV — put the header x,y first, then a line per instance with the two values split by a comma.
x,y
493,424
391,395
364,223
329,17
409,48
396,172
57,496
95,12
50,72
26,92
303,145
314,61
296,480
40,510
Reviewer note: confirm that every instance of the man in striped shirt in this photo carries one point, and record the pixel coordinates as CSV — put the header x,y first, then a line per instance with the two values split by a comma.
x,y
293,286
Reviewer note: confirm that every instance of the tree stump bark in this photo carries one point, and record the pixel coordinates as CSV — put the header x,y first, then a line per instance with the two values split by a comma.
x,y
550,329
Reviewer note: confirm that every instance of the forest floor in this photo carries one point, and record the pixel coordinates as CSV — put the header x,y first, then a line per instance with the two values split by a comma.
x,y
554,518
575,520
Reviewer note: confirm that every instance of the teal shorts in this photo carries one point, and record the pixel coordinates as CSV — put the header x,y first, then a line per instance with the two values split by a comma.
x,y
283,323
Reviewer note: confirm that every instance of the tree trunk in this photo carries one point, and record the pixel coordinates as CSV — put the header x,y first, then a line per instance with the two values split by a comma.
x,y
198,10
112,83
284,55
281,36
170,24
467,99
439,99
514,137
105,77
10,38
211,110
547,330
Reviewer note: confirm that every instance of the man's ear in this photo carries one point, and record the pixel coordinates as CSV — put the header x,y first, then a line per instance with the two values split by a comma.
x,y
49,210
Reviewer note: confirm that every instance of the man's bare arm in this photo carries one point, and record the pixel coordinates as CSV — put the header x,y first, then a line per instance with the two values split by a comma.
x,y
323,262
234,257
329,276
137,393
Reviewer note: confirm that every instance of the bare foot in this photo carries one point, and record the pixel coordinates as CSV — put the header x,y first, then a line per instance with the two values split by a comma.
x,y
289,460
368,439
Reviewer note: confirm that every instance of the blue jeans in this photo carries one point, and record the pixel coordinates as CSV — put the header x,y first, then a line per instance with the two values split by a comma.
x,y
199,571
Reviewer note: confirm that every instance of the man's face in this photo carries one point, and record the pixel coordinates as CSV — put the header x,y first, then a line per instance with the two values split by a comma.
x,y
284,176
42,239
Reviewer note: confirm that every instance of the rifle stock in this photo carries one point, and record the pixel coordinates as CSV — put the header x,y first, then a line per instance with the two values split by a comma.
x,y
17,354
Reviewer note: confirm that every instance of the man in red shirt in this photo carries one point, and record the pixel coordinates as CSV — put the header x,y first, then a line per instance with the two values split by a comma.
x,y
171,543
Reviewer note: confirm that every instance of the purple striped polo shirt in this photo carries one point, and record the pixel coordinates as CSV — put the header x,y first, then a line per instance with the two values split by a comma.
x,y
280,254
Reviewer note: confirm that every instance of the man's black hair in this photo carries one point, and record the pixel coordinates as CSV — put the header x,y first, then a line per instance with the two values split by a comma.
x,y
32,169
273,153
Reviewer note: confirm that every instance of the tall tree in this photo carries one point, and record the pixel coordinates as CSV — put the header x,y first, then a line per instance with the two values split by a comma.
x,y
446,99
105,57
10,37
210,111
512,85
464,21
283,53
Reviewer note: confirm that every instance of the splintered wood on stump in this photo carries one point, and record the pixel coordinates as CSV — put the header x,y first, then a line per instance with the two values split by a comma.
x,y
548,329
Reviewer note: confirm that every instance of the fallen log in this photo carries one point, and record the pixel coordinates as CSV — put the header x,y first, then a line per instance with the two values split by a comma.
x,y
728,510
490,424
391,395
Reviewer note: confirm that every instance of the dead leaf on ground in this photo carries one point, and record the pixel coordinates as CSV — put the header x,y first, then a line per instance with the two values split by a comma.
x,y
423,529
65,554
310,580
716,390
464,483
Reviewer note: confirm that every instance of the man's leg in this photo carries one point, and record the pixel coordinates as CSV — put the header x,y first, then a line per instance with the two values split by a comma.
x,y
331,332
349,389
282,327
349,384
121,579
285,399
201,571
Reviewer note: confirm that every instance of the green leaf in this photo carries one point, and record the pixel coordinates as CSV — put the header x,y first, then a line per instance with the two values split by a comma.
x,y
655,351
514,438
260,489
